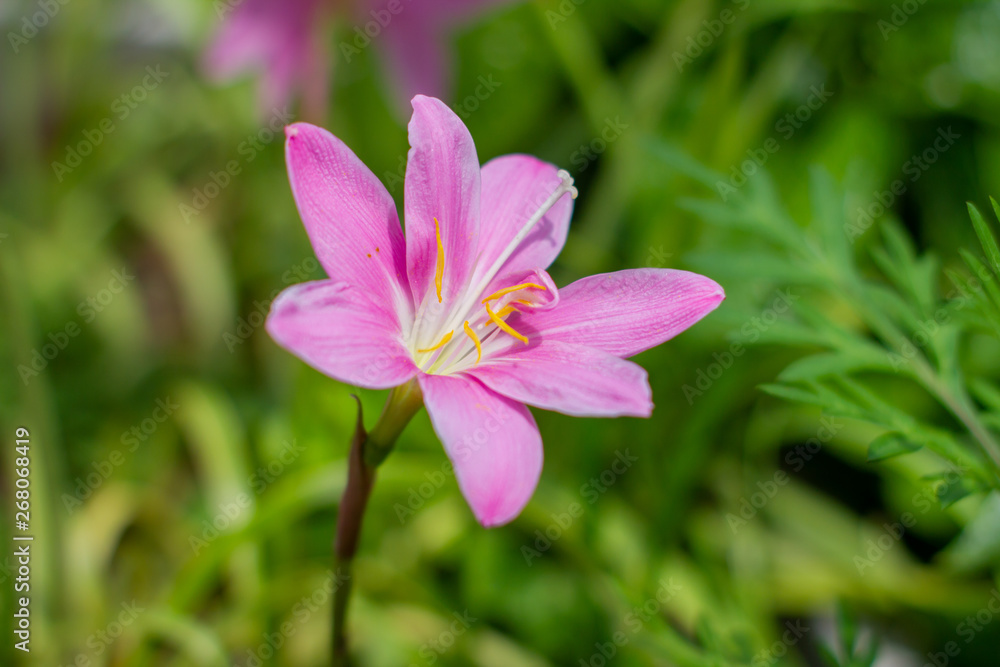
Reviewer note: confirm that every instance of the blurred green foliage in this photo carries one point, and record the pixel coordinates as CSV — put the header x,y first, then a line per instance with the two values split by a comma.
x,y
810,490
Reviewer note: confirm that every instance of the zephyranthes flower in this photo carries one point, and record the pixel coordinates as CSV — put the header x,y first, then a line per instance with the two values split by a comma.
x,y
283,41
463,303
280,40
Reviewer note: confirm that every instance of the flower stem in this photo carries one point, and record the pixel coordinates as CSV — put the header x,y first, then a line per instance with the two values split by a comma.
x,y
368,450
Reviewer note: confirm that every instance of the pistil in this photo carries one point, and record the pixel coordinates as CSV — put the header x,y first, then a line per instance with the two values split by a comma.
x,y
565,186
459,314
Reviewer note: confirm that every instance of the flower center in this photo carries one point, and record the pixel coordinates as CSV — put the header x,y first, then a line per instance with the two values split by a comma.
x,y
482,319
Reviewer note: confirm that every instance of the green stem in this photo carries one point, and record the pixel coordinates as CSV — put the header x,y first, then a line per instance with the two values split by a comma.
x,y
368,450
404,402
959,405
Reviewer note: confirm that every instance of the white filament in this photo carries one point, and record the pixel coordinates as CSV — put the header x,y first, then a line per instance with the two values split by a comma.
x,y
473,295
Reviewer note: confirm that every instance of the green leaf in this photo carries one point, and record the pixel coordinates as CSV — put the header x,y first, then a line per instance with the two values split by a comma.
x,y
743,263
978,545
828,656
990,306
954,490
867,659
986,236
889,445
986,392
828,212
685,164
834,363
847,628
793,394
783,332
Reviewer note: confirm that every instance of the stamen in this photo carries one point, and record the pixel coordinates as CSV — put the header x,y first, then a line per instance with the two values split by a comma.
x,y
439,274
444,341
507,310
474,292
503,325
565,185
508,290
475,339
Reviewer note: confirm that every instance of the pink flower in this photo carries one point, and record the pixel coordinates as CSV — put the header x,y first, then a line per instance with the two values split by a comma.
x,y
414,46
280,40
463,302
283,41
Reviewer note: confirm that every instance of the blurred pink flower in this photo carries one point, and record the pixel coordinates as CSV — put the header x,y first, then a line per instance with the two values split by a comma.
x,y
463,302
283,41
279,39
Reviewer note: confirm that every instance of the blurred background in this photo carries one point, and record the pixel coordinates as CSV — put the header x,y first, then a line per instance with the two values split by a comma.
x,y
818,482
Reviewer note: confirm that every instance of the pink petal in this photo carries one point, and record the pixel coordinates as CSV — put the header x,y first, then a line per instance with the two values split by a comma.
x,y
337,330
275,37
492,441
571,379
415,56
626,312
349,216
442,182
514,187
415,44
546,299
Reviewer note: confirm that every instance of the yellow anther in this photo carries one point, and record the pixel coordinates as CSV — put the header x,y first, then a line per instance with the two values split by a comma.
x,y
444,341
508,290
439,274
507,310
503,325
475,339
